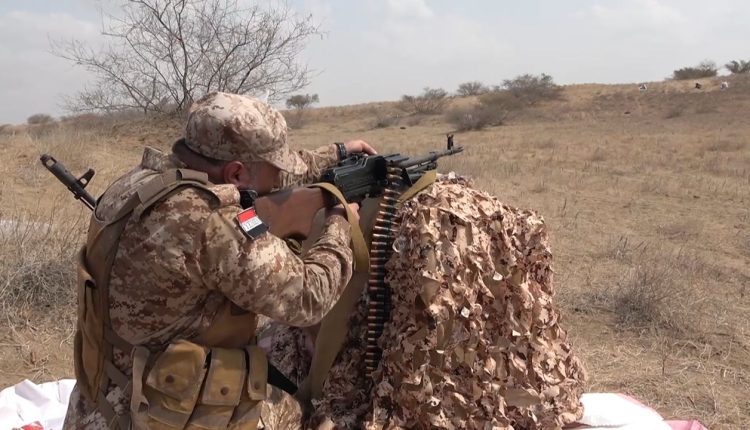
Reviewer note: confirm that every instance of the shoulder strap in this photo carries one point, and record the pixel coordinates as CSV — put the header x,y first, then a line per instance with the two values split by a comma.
x,y
333,327
359,246
163,184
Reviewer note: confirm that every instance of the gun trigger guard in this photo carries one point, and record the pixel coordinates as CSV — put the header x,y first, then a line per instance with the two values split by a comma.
x,y
247,198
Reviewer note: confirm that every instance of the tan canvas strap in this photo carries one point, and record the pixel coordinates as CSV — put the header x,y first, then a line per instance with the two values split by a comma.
x,y
359,246
109,414
333,328
140,360
115,375
163,184
114,339
427,179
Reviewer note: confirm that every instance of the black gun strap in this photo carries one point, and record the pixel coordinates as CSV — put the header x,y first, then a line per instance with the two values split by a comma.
x,y
278,379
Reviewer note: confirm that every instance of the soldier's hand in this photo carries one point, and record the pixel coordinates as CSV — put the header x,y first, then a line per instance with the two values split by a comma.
x,y
339,210
357,146
355,210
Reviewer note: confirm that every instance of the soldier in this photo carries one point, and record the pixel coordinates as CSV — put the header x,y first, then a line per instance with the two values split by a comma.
x,y
170,284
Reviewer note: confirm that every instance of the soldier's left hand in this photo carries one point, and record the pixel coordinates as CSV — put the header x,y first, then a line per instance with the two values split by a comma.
x,y
357,146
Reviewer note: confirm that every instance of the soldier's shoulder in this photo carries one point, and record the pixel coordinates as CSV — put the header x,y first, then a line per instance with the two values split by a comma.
x,y
225,194
208,199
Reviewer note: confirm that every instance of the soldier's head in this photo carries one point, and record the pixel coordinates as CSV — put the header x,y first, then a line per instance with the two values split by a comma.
x,y
238,140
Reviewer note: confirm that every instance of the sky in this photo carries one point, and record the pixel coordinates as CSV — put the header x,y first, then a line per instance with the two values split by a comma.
x,y
375,50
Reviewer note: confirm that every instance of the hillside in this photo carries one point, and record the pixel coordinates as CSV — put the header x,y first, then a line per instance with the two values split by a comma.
x,y
647,197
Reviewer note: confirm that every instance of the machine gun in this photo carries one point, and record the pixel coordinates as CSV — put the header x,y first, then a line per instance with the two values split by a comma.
x,y
289,212
360,176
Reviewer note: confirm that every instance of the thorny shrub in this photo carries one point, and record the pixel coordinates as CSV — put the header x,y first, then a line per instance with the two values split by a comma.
x,y
37,268
706,69
532,89
384,119
39,118
492,110
431,101
738,67
659,290
473,88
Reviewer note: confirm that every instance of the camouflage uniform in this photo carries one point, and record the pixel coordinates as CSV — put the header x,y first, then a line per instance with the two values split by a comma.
x,y
179,264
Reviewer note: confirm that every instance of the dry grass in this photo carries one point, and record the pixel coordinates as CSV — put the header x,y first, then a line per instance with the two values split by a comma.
x,y
660,290
35,270
648,219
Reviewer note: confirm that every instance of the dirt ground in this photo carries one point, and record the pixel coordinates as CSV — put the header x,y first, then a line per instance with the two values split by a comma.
x,y
647,195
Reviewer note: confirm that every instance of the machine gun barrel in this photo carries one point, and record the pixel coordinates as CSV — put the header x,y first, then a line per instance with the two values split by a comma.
x,y
429,158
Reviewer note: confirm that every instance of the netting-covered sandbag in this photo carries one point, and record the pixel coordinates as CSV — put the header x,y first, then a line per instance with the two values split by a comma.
x,y
474,340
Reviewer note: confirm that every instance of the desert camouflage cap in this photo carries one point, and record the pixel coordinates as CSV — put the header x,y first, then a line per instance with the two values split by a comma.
x,y
236,127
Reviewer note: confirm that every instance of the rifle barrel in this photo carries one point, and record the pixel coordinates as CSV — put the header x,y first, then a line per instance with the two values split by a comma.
x,y
74,185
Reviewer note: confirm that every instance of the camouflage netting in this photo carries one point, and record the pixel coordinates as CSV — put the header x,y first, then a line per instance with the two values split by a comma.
x,y
474,340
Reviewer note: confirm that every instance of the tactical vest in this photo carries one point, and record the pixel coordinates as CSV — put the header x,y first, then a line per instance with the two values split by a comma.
x,y
218,381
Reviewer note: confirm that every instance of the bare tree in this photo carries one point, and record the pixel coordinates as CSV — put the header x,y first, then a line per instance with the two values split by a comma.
x,y
299,102
163,54
473,88
737,67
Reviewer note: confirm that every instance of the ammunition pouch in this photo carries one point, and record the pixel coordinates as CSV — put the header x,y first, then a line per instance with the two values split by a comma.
x,y
190,386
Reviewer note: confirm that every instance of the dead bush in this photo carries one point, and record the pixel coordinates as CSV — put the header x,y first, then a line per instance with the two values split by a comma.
x,y
11,129
661,290
675,111
744,244
531,89
475,117
39,118
385,120
295,119
623,249
100,121
738,67
415,120
501,99
473,88
706,69
37,268
432,101
725,146
493,109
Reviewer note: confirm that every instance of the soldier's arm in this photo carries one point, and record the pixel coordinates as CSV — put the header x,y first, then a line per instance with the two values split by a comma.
x,y
264,276
316,161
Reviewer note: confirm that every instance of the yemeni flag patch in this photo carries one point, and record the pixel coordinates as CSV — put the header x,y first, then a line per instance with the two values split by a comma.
x,y
251,224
